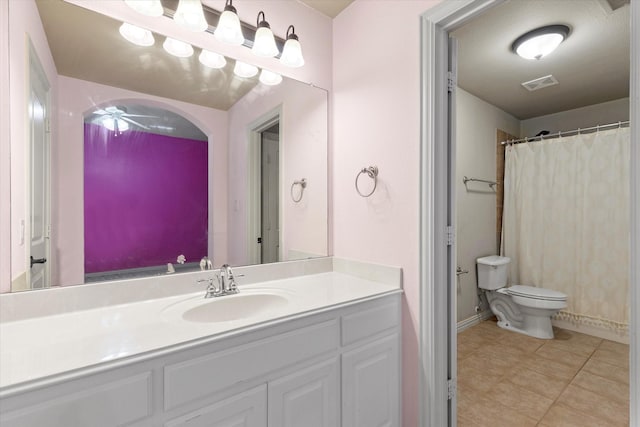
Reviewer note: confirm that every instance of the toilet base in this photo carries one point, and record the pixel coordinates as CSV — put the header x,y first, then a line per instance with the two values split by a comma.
x,y
534,322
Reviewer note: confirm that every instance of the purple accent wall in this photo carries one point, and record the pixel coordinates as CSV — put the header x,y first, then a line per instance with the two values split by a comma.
x,y
145,199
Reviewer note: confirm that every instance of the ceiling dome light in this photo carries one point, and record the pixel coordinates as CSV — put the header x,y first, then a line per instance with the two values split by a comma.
x,y
270,78
190,15
229,29
146,7
137,35
540,42
264,44
244,70
292,51
177,48
212,59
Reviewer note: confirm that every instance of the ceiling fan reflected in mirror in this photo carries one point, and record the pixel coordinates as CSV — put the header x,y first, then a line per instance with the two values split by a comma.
x,y
117,119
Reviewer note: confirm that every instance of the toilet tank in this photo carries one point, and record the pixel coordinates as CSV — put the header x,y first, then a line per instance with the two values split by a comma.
x,y
492,272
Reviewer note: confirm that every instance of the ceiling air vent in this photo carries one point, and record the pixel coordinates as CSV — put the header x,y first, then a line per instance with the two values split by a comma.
x,y
539,83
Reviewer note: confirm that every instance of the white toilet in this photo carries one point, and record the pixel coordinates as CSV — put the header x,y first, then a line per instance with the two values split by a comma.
x,y
524,309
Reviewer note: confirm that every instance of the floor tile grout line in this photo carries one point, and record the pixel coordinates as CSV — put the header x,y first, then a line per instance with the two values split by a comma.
x,y
569,382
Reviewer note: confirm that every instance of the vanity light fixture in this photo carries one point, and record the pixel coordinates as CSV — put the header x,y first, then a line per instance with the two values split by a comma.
x,y
212,59
177,48
190,15
264,44
137,35
270,78
244,70
146,7
540,42
229,29
292,51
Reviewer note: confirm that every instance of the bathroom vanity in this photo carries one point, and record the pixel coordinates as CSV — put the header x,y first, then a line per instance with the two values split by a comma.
x,y
321,348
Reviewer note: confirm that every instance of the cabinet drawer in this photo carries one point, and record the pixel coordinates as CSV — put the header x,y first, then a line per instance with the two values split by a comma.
x,y
116,403
368,322
197,378
247,409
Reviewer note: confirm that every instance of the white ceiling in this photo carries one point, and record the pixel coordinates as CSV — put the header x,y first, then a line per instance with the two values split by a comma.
x,y
591,65
331,8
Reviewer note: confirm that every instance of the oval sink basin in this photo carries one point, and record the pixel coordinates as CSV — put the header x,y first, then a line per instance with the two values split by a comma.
x,y
233,307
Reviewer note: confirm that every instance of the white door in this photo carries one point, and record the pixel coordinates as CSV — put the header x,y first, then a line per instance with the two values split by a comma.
x,y
270,196
306,398
39,166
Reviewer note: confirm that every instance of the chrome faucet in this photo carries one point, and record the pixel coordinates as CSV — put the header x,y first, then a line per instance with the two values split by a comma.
x,y
226,281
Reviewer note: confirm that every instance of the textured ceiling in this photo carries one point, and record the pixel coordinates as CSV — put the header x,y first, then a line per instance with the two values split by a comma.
x,y
591,65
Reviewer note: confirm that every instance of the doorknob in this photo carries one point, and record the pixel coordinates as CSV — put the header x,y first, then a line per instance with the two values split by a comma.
x,y
37,261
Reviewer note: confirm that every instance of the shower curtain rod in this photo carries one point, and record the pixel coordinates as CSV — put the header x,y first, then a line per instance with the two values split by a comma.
x,y
566,132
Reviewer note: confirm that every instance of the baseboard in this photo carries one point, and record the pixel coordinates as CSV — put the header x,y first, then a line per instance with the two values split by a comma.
x,y
592,330
473,320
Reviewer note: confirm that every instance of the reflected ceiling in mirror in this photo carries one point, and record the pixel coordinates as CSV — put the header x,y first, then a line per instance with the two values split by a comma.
x,y
88,46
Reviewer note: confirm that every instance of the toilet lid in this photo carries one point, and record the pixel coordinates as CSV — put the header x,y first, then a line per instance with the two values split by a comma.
x,y
537,293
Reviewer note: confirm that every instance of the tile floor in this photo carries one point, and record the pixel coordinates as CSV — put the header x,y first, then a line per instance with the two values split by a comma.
x,y
512,380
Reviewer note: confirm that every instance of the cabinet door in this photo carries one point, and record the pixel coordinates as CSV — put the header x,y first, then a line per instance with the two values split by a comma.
x,y
371,385
247,409
307,398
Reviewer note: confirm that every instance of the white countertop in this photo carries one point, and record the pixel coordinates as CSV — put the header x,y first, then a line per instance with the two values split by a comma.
x,y
41,348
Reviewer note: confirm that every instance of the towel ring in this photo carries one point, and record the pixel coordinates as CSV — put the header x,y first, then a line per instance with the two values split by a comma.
x,y
303,184
372,171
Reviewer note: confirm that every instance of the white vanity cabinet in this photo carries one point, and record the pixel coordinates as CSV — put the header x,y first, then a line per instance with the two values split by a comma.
x,y
339,366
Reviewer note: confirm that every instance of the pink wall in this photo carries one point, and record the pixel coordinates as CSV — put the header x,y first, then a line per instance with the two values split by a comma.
x,y
69,155
24,24
376,121
303,132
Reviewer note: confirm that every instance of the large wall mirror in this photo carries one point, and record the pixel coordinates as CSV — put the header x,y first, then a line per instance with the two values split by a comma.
x,y
127,161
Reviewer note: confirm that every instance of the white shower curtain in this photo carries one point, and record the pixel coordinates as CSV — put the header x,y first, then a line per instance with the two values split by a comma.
x,y
566,222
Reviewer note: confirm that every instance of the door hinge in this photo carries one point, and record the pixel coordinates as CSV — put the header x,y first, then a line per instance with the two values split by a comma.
x,y
451,389
451,235
47,126
451,81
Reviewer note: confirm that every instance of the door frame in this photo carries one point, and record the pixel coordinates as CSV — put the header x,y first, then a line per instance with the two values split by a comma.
x,y
435,307
253,216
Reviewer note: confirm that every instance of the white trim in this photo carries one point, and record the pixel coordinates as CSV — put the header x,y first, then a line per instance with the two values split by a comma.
x,y
634,280
5,149
252,208
473,320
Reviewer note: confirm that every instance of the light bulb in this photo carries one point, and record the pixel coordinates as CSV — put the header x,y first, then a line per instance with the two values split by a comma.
x,y
292,51
212,59
146,7
137,35
270,78
244,70
229,29
540,46
190,15
110,123
264,44
177,48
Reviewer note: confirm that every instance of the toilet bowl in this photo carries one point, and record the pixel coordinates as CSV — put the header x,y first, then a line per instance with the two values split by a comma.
x,y
524,309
